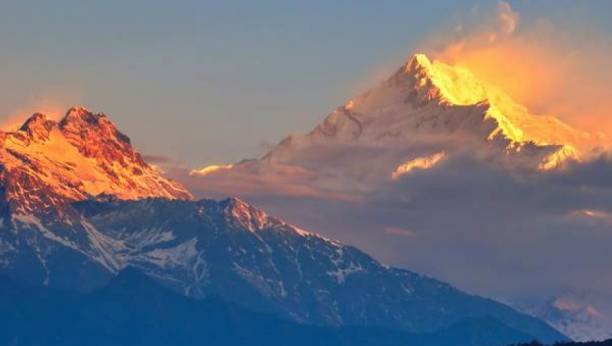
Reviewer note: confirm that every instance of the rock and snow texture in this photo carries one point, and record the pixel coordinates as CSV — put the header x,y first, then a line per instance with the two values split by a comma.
x,y
428,100
236,251
582,317
46,163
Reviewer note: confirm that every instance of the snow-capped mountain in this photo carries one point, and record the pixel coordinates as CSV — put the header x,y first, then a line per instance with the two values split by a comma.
x,y
55,232
425,115
426,112
580,316
235,251
45,163
426,100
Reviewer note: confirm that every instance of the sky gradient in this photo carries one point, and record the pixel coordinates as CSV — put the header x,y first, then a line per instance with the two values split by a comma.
x,y
217,81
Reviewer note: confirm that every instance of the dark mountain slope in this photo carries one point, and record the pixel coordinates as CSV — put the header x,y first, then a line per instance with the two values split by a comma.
x,y
134,310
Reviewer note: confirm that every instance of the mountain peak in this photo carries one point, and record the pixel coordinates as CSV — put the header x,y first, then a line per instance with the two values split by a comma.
x,y
94,135
446,83
244,214
47,164
38,126
234,202
34,118
424,81
78,112
80,118
430,100
417,62
580,316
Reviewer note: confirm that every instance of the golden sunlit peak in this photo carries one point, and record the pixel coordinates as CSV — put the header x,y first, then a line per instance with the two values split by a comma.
x,y
35,118
37,123
77,112
457,85
417,60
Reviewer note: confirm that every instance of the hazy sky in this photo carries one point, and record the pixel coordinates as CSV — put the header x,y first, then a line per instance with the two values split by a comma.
x,y
217,81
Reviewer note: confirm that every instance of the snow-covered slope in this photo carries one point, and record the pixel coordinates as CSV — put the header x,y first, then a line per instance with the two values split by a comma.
x,y
428,100
44,163
236,251
582,317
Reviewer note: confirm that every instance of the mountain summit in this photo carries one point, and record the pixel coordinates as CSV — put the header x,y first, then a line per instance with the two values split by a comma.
x,y
433,101
46,163
425,114
455,85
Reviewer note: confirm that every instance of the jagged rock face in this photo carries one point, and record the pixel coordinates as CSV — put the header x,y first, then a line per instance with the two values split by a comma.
x,y
45,164
36,128
233,250
96,137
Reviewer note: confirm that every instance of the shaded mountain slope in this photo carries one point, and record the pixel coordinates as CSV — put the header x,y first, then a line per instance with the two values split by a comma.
x,y
133,310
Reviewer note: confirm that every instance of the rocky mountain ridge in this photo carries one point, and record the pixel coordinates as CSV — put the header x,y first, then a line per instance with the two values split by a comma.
x,y
45,164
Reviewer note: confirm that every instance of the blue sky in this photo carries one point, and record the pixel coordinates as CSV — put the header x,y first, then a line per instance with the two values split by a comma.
x,y
216,81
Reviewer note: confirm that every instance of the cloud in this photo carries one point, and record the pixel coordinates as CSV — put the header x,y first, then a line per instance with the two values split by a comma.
x,y
419,163
489,230
593,214
164,164
399,231
207,170
257,178
551,67
159,159
507,18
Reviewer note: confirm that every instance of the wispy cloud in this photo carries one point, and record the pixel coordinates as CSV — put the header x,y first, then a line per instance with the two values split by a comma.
x,y
552,68
399,231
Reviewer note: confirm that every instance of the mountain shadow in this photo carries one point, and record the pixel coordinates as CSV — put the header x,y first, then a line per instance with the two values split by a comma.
x,y
134,310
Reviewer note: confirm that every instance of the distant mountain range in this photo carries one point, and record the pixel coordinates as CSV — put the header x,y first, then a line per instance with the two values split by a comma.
x,y
79,205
